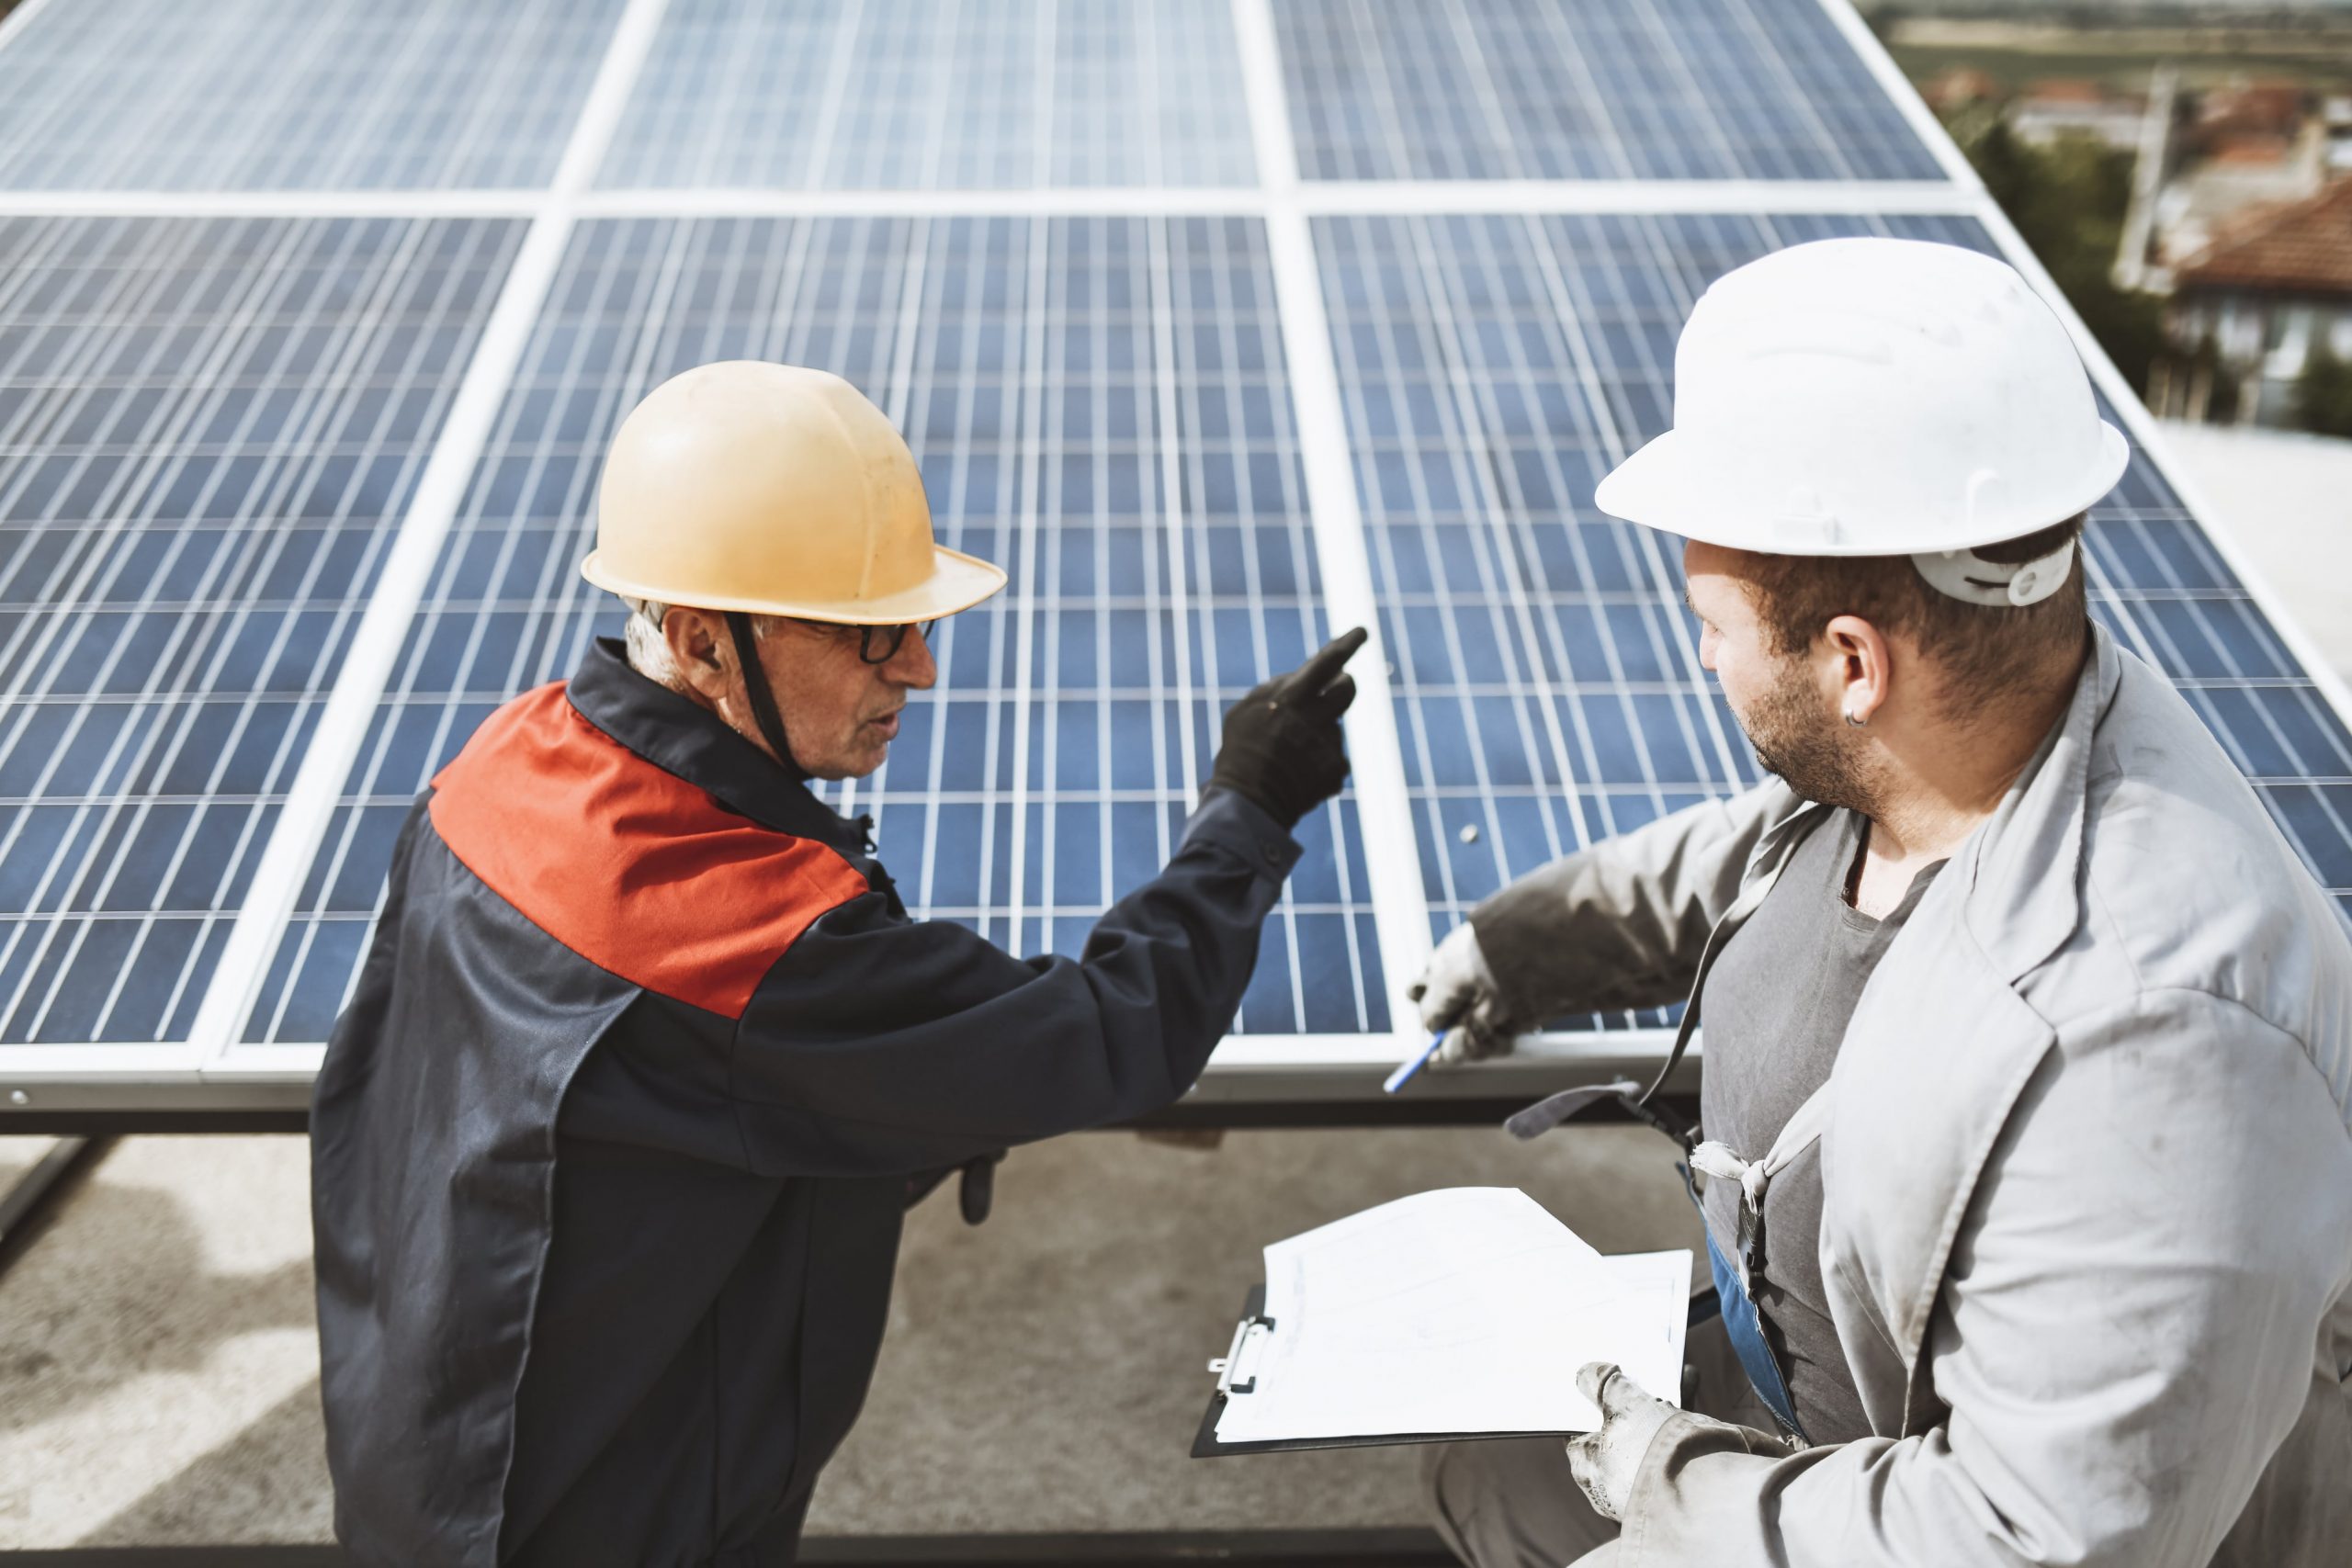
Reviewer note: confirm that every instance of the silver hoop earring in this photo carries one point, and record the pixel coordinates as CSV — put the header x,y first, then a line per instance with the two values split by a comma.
x,y
1857,723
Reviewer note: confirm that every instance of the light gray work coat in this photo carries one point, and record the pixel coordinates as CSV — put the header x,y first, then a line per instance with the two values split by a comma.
x,y
2086,1228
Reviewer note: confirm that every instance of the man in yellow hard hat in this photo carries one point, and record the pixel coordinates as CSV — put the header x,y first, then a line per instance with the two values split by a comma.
x,y
610,1149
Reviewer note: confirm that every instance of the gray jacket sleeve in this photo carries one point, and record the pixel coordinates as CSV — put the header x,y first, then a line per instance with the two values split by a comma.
x,y
2126,1332
1621,924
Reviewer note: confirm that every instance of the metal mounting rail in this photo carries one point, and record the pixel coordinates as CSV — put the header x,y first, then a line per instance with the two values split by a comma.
x,y
1183,1116
1250,1548
27,1207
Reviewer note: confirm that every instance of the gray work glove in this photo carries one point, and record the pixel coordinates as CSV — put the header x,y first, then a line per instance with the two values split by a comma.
x,y
1606,1460
1458,995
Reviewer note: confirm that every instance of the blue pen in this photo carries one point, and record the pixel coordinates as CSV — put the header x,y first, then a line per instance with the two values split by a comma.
x,y
1404,1075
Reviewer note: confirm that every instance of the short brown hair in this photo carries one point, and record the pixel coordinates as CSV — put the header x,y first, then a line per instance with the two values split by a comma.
x,y
1986,650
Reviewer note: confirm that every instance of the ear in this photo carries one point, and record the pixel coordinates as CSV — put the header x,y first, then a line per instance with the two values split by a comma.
x,y
1860,667
693,638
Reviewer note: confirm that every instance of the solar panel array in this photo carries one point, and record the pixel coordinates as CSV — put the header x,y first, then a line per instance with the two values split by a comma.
x,y
1548,691
913,95
1587,89
1138,483
1201,429
208,429
294,95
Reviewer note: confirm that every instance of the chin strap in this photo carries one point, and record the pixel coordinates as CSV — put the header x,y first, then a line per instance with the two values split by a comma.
x,y
755,688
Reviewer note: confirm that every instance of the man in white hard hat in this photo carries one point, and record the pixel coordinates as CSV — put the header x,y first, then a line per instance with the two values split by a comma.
x,y
2025,1145
610,1149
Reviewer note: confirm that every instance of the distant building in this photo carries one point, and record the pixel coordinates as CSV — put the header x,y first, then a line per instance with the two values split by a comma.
x,y
2048,110
2204,161
1957,89
2270,288
2252,108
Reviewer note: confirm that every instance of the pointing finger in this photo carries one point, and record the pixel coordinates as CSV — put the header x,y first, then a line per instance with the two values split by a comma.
x,y
1317,672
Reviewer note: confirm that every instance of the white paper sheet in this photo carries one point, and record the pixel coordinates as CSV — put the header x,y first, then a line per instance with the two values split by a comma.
x,y
1463,1310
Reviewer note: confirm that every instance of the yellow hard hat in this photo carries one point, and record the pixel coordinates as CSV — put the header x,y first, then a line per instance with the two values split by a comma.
x,y
776,490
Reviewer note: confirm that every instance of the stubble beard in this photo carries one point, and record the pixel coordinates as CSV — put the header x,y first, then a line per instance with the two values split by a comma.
x,y
1809,749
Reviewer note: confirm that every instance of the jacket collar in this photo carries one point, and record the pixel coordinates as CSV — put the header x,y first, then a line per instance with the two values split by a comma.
x,y
2024,870
691,743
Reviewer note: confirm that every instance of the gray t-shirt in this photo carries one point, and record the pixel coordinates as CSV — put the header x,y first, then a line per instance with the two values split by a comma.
x,y
1775,1011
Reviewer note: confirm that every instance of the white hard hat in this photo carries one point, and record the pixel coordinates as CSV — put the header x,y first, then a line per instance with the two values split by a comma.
x,y
778,489
1875,396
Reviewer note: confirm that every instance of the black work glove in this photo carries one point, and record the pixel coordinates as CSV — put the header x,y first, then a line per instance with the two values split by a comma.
x,y
1282,746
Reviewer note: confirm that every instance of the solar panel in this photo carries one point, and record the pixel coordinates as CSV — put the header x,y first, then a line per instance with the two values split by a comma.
x,y
1547,687
909,95
294,95
1099,405
211,431
1587,89
205,426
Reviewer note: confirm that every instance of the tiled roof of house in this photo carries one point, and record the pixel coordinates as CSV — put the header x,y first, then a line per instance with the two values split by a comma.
x,y
2066,90
2252,150
2305,247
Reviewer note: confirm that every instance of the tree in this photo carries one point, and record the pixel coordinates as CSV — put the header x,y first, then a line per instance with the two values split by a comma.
x,y
2068,201
2324,391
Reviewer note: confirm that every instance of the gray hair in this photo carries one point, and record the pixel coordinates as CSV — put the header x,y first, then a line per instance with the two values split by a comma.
x,y
649,654
648,650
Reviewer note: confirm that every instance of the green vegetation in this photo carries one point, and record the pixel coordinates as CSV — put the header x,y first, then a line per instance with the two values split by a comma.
x,y
2035,41
2323,393
2125,74
2068,201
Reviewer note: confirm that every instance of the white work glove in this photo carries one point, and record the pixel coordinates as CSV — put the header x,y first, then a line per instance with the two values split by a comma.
x,y
1458,995
1605,1459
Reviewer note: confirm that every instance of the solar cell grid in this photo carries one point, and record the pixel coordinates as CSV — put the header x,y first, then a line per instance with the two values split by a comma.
x,y
1596,89
206,426
296,94
1547,688
1060,380
917,95
2163,588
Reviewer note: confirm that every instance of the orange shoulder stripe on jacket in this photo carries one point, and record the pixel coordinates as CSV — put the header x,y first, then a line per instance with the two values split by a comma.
x,y
634,869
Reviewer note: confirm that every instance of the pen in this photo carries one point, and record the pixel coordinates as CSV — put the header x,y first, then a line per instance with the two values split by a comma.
x,y
1404,1075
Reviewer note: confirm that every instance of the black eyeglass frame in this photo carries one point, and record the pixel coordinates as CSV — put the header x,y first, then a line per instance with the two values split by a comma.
x,y
892,638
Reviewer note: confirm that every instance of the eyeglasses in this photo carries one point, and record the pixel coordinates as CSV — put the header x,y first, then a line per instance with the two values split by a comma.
x,y
879,645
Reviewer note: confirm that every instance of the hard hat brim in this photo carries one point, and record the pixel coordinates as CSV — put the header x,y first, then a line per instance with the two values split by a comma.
x,y
1675,485
958,581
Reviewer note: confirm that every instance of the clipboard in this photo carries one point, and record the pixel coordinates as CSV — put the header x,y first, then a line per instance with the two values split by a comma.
x,y
1237,1379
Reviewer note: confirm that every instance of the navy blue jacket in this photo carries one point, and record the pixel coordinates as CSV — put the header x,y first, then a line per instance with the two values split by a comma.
x,y
610,1150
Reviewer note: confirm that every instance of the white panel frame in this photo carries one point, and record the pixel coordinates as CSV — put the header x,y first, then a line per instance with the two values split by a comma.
x,y
1383,811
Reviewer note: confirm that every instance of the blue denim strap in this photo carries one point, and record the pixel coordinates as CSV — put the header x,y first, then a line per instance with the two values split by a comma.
x,y
1744,1326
